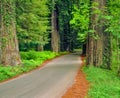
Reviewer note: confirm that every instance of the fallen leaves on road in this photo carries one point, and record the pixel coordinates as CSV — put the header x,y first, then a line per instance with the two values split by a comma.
x,y
80,87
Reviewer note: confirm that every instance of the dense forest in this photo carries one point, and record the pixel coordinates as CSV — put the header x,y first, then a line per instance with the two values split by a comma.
x,y
27,26
60,25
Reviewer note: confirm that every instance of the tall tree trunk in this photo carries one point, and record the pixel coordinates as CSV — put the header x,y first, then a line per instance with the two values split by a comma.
x,y
9,51
89,51
40,48
55,34
98,44
89,48
95,40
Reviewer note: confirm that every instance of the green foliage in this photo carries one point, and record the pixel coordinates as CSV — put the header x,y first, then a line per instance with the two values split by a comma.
x,y
9,71
114,61
113,22
112,19
31,60
115,56
66,34
29,55
33,55
104,83
80,20
33,22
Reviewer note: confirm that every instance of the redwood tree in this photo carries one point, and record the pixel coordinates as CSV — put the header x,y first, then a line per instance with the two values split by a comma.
x,y
9,51
55,38
95,43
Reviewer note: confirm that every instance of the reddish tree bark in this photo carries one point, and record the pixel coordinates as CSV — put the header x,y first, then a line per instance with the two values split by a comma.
x,y
55,37
95,39
9,51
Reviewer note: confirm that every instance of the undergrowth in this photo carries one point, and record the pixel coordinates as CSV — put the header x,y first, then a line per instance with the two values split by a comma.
x,y
30,60
103,83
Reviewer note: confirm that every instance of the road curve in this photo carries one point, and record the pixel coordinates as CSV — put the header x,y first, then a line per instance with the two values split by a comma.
x,y
50,81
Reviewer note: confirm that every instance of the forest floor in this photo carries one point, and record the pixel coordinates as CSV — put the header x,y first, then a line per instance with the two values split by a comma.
x,y
80,87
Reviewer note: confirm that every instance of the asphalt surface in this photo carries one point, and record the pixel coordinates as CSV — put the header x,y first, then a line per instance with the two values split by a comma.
x,y
50,81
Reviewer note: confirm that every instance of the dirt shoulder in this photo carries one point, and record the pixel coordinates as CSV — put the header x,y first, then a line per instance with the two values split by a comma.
x,y
80,87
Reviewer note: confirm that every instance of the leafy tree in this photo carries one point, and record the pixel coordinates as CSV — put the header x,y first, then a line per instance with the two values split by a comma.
x,y
66,34
80,21
95,43
33,22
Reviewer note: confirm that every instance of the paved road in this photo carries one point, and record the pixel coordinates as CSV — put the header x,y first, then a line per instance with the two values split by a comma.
x,y
51,81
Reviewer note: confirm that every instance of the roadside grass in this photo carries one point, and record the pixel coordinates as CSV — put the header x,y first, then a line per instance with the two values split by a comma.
x,y
103,83
30,61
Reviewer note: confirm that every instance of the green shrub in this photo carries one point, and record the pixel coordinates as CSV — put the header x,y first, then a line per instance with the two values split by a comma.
x,y
37,55
29,55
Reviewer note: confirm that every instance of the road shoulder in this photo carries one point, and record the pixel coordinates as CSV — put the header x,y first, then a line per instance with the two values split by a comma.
x,y
80,87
